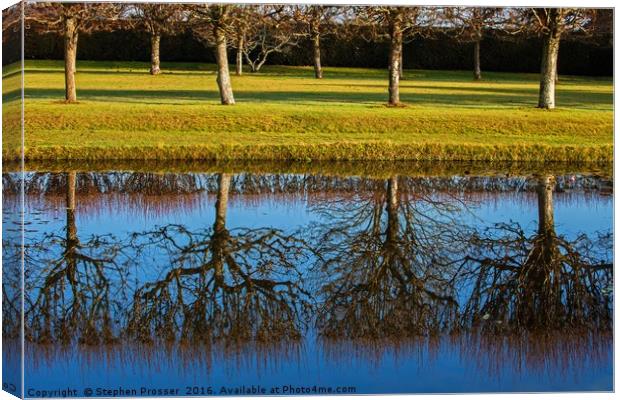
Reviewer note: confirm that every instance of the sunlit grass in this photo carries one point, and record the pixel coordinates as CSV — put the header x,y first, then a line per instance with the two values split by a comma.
x,y
283,112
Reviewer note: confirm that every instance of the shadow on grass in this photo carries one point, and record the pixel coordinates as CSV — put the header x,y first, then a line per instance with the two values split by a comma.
x,y
142,67
475,97
207,73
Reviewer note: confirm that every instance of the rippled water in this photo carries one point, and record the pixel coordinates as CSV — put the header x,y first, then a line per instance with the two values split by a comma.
x,y
351,280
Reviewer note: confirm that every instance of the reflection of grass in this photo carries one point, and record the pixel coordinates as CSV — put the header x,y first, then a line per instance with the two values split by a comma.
x,y
369,169
284,113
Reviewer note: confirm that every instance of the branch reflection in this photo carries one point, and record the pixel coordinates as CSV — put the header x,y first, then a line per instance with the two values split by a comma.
x,y
540,282
237,285
75,286
386,263
390,268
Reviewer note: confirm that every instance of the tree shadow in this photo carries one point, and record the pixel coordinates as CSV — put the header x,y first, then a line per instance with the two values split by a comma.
x,y
472,99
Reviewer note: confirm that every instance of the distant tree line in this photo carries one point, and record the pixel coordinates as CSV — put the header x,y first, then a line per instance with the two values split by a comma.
x,y
257,33
440,52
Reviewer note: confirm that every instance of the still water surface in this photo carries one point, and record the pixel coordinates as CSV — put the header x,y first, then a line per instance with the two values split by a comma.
x,y
364,283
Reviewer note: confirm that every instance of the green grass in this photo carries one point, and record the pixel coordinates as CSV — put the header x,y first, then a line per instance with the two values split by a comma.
x,y
284,113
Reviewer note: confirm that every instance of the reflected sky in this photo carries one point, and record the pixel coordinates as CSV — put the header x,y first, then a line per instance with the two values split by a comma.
x,y
442,213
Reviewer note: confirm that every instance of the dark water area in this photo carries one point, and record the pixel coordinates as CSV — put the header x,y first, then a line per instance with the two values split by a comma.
x,y
384,278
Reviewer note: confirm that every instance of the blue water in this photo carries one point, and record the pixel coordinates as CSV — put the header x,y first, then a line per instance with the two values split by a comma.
x,y
411,365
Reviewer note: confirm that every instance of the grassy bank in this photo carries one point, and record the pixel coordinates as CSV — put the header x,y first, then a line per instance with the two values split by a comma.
x,y
283,113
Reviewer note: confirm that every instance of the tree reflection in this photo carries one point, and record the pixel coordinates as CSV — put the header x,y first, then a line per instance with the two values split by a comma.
x,y
11,285
540,352
540,282
394,260
386,261
74,285
235,285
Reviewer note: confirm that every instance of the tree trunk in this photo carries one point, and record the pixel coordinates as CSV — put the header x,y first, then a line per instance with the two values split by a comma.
x,y
71,39
71,239
155,40
219,228
316,46
250,62
239,65
548,69
392,210
223,74
544,190
396,45
401,74
543,258
70,194
477,70
221,204
261,61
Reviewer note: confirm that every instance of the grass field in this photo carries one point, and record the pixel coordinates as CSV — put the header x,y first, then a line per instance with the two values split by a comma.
x,y
284,113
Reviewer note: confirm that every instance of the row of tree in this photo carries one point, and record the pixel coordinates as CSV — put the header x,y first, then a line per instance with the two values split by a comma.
x,y
258,31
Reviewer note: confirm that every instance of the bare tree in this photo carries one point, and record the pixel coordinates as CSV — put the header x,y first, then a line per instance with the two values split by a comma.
x,y
470,24
71,19
273,29
552,24
157,20
213,24
319,21
395,23
243,22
